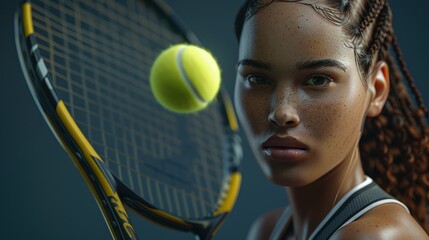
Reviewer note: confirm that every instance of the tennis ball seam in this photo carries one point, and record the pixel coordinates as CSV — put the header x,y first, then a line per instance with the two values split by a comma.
x,y
185,76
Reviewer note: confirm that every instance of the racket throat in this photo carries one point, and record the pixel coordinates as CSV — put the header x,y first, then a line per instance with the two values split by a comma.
x,y
205,231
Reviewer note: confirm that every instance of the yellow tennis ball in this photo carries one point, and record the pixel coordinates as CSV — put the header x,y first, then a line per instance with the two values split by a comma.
x,y
185,78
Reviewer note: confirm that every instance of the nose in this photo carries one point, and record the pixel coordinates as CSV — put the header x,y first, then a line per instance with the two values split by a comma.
x,y
283,110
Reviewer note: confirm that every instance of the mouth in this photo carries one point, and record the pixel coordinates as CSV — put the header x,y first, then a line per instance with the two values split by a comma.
x,y
284,149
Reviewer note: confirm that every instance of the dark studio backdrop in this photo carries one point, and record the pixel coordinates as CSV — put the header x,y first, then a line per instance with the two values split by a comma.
x,y
43,196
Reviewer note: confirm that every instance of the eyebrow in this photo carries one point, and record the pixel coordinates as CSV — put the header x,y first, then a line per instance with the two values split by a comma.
x,y
300,65
255,63
311,64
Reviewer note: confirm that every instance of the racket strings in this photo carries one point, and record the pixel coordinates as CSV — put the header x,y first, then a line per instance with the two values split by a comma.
x,y
125,95
72,11
92,46
101,73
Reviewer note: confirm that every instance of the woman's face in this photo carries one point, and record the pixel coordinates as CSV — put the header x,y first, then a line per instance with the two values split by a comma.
x,y
298,93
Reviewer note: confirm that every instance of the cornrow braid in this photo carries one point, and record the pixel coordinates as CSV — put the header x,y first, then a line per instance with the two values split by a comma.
x,y
382,31
374,8
382,37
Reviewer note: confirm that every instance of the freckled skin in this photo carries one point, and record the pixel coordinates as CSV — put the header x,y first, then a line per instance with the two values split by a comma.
x,y
328,120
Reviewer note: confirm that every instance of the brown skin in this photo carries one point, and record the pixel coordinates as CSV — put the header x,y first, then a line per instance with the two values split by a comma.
x,y
322,107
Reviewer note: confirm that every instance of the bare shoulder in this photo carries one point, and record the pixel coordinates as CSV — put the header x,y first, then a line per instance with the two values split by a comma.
x,y
387,221
264,225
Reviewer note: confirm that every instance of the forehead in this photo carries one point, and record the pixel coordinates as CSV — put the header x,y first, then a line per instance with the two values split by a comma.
x,y
292,30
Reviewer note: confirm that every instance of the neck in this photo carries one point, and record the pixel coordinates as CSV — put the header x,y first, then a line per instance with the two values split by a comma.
x,y
311,203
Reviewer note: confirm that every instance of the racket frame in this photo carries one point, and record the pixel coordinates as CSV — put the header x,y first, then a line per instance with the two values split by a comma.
x,y
107,189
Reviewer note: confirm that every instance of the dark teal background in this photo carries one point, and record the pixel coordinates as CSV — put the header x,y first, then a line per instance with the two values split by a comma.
x,y
43,196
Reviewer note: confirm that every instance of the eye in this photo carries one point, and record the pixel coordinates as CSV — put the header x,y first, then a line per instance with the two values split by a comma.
x,y
257,80
319,81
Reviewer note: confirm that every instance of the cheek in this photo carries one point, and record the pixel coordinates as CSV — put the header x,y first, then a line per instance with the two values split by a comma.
x,y
335,121
252,109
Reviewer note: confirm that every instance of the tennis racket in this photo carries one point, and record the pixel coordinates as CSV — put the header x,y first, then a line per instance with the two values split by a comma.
x,y
87,65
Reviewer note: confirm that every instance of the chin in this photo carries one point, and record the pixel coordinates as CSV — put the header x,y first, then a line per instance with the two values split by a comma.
x,y
289,177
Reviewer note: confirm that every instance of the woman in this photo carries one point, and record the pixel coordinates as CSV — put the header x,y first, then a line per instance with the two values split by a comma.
x,y
325,112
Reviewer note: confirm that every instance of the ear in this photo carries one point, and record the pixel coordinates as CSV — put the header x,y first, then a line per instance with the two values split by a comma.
x,y
378,86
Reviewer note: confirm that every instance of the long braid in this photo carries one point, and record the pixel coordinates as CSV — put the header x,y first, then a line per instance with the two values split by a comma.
x,y
410,79
395,153
395,145
397,90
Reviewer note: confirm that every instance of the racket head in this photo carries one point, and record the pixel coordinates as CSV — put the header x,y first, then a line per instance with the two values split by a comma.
x,y
92,59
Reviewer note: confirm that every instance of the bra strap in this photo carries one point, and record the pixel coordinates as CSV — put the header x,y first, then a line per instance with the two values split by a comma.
x,y
281,225
356,205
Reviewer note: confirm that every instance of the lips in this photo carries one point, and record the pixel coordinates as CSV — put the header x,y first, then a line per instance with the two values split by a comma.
x,y
284,149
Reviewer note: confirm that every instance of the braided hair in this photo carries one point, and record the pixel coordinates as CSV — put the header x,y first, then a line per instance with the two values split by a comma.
x,y
394,145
